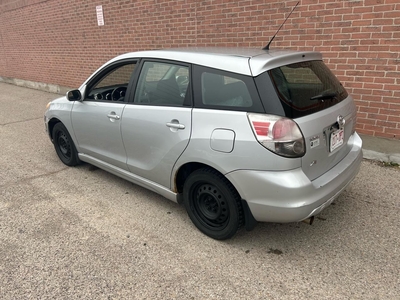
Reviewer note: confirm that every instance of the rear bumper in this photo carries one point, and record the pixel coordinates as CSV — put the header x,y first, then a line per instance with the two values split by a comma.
x,y
289,196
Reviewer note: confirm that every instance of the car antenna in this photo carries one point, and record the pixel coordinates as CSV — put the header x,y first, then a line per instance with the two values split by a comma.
x,y
267,47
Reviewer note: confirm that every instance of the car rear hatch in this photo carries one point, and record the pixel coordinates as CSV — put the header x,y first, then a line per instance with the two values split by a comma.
x,y
327,137
314,98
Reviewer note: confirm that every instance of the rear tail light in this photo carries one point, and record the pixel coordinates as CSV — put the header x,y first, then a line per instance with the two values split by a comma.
x,y
278,134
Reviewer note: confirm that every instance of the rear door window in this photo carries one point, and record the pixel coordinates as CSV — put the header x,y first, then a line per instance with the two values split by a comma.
x,y
306,87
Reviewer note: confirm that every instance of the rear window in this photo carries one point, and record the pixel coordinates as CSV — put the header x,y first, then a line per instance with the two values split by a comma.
x,y
306,87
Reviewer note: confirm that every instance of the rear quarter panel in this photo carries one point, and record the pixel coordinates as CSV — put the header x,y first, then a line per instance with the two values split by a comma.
x,y
247,153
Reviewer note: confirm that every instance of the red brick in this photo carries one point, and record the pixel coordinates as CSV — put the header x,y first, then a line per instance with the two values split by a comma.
x,y
358,39
395,134
381,92
392,132
343,11
361,130
368,121
365,97
384,80
372,16
392,14
358,48
392,87
382,36
373,86
362,23
358,36
369,110
389,28
377,117
384,8
395,107
374,128
373,2
386,124
356,61
395,119
385,67
389,112
379,105
362,9
350,17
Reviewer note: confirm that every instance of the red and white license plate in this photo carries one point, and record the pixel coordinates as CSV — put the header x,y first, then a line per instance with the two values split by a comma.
x,y
337,138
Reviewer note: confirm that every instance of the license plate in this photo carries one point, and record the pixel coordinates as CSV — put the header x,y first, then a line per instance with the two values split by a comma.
x,y
337,138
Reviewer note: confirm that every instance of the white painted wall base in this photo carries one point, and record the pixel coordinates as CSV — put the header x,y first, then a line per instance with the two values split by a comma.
x,y
47,87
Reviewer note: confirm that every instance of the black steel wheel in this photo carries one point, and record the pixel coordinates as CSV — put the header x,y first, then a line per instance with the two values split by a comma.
x,y
213,204
64,145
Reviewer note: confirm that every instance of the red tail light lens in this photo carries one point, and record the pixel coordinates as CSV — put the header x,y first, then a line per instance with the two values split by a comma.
x,y
282,128
278,134
261,128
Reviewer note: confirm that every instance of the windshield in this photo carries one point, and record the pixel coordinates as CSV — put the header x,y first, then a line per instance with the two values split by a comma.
x,y
306,87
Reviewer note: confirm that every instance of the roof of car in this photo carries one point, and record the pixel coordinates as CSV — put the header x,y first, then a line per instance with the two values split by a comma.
x,y
247,61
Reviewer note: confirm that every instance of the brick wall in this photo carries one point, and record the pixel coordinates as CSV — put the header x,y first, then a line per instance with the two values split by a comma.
x,y
59,42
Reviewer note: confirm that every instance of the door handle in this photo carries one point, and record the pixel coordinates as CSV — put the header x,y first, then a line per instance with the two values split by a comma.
x,y
113,115
175,125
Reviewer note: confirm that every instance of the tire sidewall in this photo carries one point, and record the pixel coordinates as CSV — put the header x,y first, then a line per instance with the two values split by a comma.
x,y
73,160
231,196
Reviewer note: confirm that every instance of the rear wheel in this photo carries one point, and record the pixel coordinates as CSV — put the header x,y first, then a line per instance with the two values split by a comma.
x,y
212,204
64,145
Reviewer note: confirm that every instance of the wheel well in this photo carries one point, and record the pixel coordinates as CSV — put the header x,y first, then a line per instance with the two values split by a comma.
x,y
183,173
51,124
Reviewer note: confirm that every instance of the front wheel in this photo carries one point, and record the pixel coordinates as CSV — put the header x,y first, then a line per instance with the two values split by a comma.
x,y
64,145
213,204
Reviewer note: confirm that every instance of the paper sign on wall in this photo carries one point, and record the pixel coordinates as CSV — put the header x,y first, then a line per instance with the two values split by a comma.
x,y
99,13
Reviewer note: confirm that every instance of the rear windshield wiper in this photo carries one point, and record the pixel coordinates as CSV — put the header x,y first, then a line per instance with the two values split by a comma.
x,y
324,96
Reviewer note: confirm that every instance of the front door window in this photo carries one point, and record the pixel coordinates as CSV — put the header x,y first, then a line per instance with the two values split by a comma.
x,y
112,86
162,84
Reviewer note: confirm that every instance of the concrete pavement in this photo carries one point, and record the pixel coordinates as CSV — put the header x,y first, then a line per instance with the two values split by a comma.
x,y
381,149
82,233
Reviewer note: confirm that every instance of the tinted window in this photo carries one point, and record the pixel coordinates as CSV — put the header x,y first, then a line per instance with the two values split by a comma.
x,y
224,90
306,87
162,84
118,76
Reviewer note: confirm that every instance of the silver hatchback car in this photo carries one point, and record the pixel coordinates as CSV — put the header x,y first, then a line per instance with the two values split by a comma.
x,y
239,136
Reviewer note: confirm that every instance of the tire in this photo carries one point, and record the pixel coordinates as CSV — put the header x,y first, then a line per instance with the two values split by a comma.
x,y
213,204
64,145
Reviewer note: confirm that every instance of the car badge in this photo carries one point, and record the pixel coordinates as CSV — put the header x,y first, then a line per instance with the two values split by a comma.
x,y
341,121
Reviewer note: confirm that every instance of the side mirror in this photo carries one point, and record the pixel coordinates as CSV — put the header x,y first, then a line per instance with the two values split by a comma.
x,y
74,95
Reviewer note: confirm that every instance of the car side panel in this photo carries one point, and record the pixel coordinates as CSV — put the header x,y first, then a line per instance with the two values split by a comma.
x,y
152,147
98,134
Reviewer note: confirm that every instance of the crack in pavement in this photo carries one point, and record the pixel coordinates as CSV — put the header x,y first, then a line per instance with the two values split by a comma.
x,y
15,122
27,179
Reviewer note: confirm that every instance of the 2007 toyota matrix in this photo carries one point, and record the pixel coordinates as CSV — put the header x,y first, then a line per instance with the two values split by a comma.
x,y
237,135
